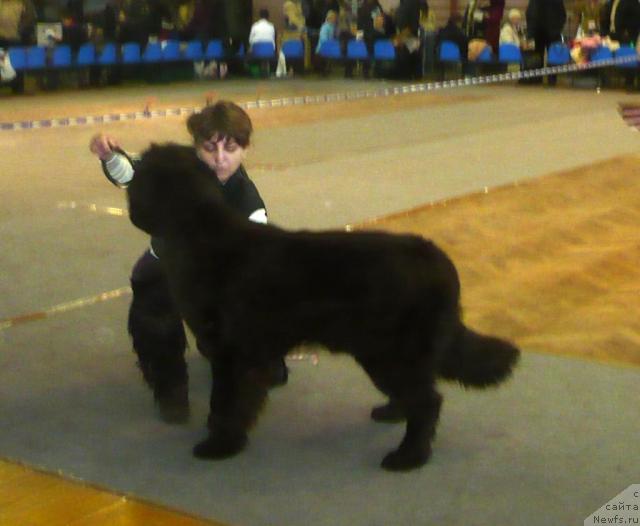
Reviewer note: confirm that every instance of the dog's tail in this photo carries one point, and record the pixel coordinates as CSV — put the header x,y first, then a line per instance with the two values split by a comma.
x,y
476,360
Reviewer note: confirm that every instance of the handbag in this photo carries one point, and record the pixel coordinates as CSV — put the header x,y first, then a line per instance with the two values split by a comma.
x,y
7,73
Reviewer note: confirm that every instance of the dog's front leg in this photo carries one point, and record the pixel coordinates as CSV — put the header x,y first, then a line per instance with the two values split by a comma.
x,y
237,395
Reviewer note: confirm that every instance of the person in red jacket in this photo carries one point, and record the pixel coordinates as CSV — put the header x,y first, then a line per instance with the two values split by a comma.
x,y
492,20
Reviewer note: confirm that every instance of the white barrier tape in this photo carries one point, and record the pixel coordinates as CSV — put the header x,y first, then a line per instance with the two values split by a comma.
x,y
325,98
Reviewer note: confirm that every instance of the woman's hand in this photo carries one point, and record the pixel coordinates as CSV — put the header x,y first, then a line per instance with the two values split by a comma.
x,y
102,145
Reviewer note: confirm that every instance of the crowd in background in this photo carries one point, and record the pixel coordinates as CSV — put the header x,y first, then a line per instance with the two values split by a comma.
x,y
411,25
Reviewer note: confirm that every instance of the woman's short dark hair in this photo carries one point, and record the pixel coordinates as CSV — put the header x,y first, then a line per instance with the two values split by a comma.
x,y
264,13
224,118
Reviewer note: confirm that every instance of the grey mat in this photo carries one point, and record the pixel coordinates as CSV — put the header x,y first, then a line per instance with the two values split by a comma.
x,y
549,447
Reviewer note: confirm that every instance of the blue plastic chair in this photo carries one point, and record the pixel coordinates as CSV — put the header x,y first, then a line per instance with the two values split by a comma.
x,y
61,57
86,55
384,50
171,51
36,57
558,54
449,52
214,50
152,53
627,51
131,53
357,50
194,51
109,55
600,54
485,56
293,49
509,54
263,51
330,49
18,58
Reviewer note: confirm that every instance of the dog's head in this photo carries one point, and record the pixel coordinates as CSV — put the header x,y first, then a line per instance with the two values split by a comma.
x,y
169,188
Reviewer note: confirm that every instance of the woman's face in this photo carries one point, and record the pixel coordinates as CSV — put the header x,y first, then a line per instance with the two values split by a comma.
x,y
222,154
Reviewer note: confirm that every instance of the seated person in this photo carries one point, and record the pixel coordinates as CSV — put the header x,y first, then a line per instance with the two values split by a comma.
x,y
453,32
328,29
511,32
262,30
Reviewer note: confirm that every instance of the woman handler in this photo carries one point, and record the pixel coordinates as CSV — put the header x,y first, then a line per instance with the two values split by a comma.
x,y
221,134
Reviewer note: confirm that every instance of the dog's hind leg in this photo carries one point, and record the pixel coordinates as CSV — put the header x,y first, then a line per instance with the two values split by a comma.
x,y
238,394
423,411
412,397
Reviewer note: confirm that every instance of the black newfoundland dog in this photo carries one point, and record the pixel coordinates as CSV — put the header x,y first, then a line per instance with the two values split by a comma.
x,y
251,292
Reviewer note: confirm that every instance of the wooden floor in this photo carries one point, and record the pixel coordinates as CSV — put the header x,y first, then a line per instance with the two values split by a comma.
x,y
551,263
33,498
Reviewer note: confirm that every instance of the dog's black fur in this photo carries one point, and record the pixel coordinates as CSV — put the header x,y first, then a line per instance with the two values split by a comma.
x,y
252,292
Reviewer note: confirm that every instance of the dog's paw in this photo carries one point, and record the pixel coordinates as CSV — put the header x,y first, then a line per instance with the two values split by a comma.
x,y
219,447
388,413
174,405
174,414
405,460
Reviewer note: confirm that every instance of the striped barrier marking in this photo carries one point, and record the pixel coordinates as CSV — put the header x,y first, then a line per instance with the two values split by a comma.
x,y
7,323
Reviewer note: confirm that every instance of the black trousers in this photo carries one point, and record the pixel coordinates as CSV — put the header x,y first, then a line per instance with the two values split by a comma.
x,y
543,39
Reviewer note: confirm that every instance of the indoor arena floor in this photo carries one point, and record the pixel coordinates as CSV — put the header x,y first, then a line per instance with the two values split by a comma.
x,y
533,193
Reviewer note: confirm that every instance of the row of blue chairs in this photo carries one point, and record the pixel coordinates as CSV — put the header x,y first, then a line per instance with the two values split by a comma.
x,y
61,56
604,53
357,50
330,49
507,54
557,55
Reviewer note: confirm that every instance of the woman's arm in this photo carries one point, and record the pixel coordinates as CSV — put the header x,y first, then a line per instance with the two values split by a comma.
x,y
116,164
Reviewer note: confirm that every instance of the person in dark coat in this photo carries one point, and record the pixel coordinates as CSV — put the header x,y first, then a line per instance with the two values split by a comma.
x,y
545,21
408,16
454,33
621,21
407,42
374,24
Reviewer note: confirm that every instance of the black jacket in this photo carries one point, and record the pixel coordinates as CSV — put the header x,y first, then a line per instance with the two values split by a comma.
x,y
408,16
453,33
545,17
626,21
